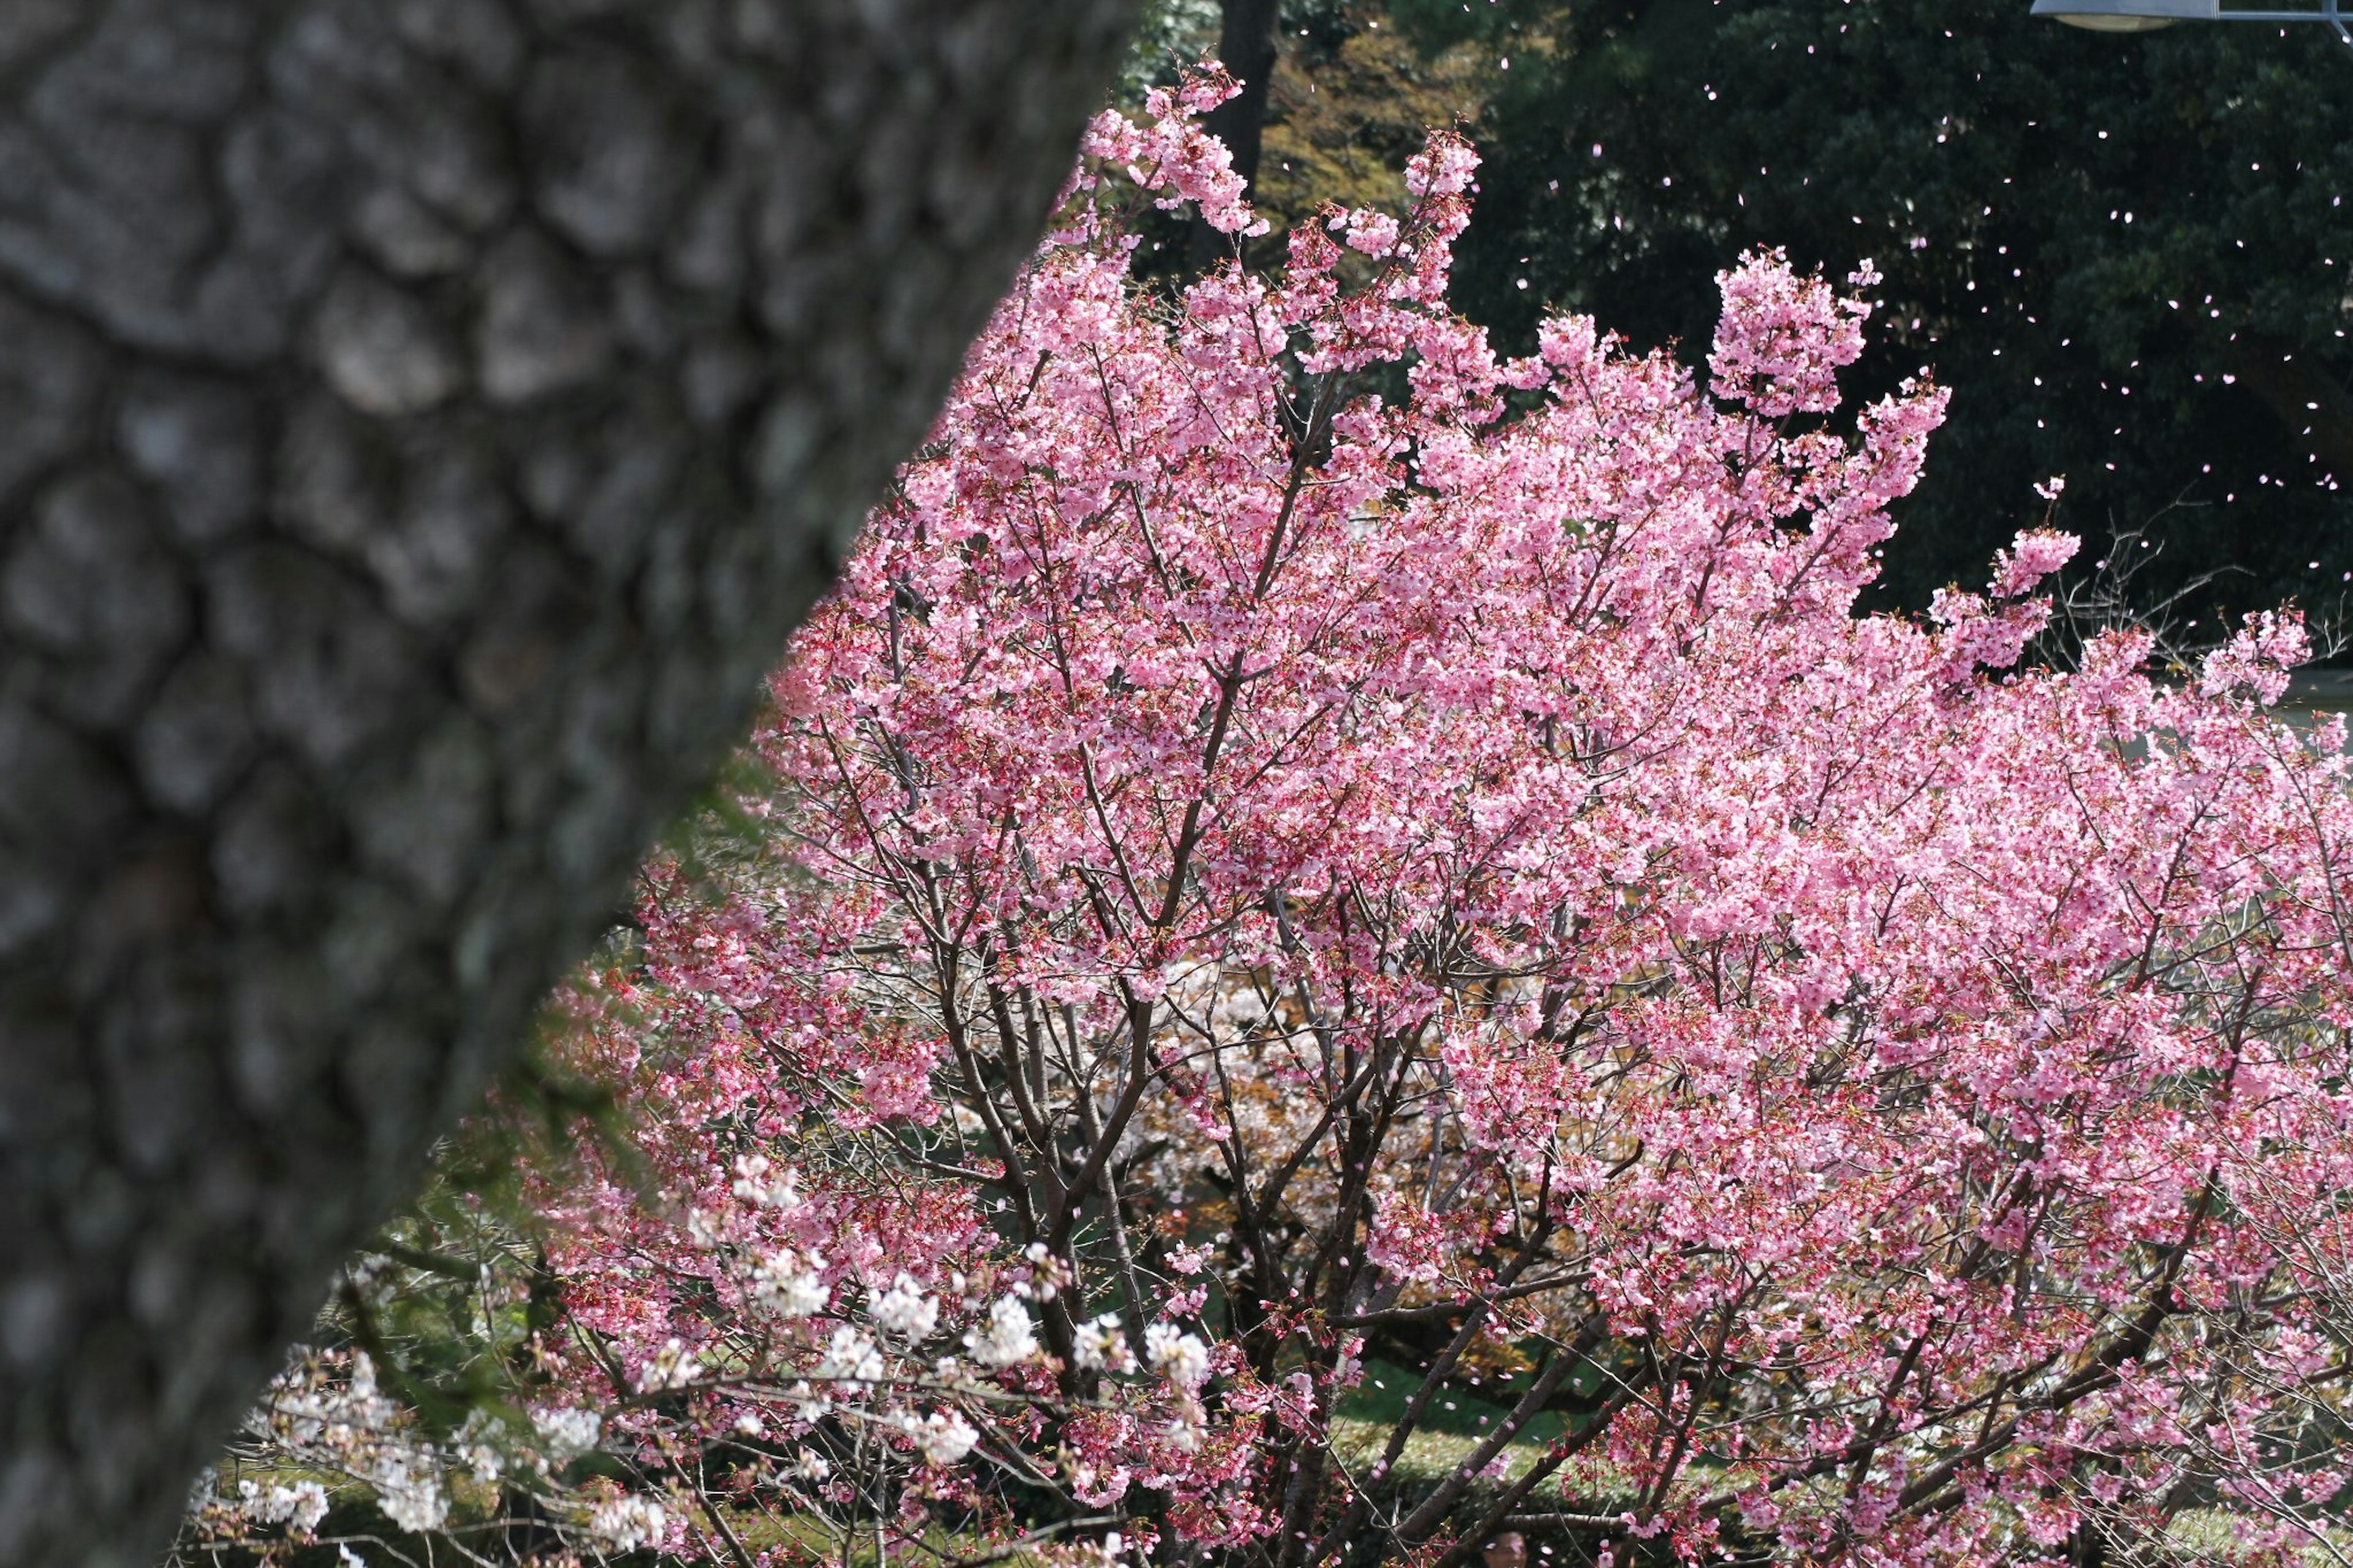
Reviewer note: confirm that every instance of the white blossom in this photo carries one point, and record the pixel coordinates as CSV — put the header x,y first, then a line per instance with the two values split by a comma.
x,y
944,1437
672,1366
1179,1356
408,1488
1009,1338
1050,1273
904,1311
480,1443
302,1505
565,1432
1102,1347
755,1184
850,1356
305,1503
790,1286
629,1522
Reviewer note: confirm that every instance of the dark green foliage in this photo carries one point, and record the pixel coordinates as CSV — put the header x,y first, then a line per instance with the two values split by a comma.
x,y
1987,162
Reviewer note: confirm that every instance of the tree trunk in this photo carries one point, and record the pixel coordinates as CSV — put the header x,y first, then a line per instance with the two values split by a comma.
x,y
420,423
1246,48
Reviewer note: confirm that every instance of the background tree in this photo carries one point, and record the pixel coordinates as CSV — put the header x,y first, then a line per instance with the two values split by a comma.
x,y
421,421
2127,258
1350,97
1246,46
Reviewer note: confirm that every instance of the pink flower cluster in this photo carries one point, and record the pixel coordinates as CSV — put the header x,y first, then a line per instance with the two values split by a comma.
x,y
1274,876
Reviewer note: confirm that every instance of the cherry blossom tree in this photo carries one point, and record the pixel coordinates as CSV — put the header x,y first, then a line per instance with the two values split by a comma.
x,y
1299,844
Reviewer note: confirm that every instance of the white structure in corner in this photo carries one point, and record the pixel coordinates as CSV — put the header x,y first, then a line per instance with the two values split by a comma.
x,y
2142,16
